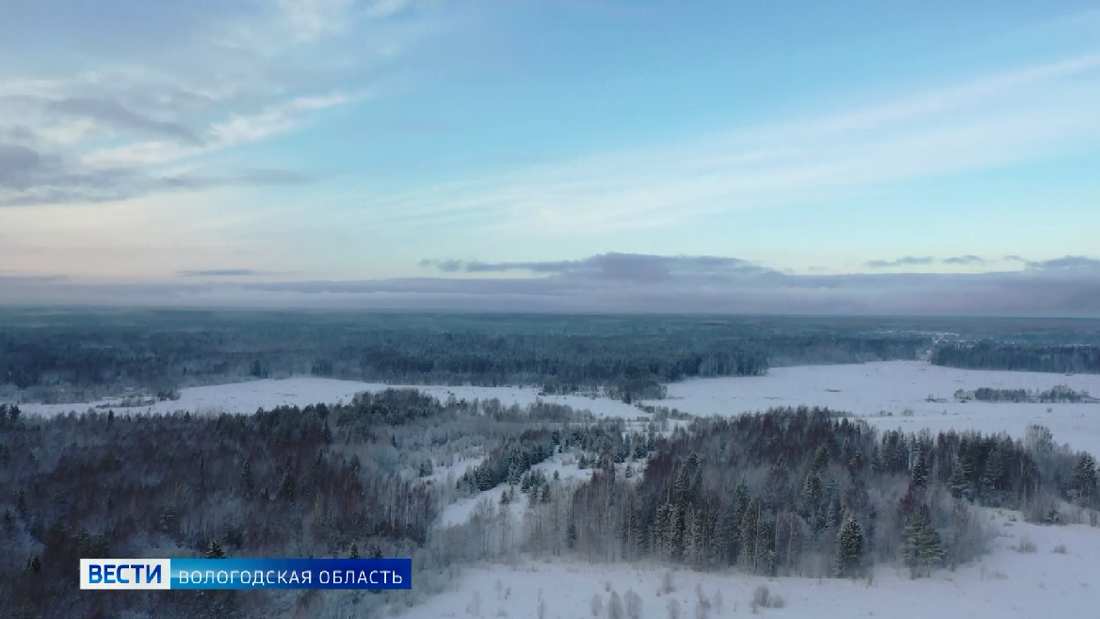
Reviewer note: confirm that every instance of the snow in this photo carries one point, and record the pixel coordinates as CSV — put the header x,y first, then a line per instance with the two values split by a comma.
x,y
462,510
1005,584
459,512
865,390
246,397
893,386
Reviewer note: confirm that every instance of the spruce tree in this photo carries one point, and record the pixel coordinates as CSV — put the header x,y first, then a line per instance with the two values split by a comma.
x,y
821,459
923,548
286,488
248,483
660,531
958,483
920,471
835,514
1084,479
748,536
849,549
765,546
214,551
991,479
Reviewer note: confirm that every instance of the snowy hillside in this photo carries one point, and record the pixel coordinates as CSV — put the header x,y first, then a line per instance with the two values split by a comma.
x,y
1032,572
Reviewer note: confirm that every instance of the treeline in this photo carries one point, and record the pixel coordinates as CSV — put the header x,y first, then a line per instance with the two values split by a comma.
x,y
1056,394
991,355
629,358
802,492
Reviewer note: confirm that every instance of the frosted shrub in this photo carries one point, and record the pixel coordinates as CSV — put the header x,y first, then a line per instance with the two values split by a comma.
x,y
633,605
615,606
667,585
1025,546
718,601
702,604
597,605
474,607
763,598
674,609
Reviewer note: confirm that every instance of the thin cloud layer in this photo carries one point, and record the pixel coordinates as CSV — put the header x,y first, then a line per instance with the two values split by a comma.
x,y
907,261
220,273
613,266
620,283
966,260
1021,115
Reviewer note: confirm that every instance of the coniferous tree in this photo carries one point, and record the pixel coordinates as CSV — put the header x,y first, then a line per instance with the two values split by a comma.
x,y
920,471
849,549
833,520
1084,479
214,551
286,488
749,526
821,459
923,549
958,484
813,502
248,483
764,562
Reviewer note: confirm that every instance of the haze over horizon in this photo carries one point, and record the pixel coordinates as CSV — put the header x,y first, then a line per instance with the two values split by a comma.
x,y
833,158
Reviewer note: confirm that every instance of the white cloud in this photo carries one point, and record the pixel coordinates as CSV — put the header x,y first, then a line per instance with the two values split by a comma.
x,y
252,74
309,20
237,130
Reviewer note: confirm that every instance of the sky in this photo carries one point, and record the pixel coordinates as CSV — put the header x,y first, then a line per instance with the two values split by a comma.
x,y
759,157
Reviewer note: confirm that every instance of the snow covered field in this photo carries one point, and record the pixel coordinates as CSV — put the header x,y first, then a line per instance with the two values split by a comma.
x,y
1057,579
246,397
865,390
894,386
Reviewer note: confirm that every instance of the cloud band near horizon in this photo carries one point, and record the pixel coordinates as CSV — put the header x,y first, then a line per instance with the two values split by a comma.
x,y
613,282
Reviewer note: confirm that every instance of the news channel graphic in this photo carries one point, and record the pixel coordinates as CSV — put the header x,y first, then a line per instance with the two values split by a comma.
x,y
222,574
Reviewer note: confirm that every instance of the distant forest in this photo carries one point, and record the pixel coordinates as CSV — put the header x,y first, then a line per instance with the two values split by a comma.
x,y
79,356
804,492
1030,357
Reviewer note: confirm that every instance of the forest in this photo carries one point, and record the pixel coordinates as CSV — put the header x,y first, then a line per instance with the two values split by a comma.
x,y
1028,357
802,492
81,356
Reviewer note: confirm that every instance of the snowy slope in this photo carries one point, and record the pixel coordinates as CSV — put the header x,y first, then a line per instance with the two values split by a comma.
x,y
1005,585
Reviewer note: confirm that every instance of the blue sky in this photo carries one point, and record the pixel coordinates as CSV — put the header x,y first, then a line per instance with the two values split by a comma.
x,y
203,149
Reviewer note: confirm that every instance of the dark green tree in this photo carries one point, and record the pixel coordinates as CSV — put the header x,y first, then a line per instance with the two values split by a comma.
x,y
849,549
